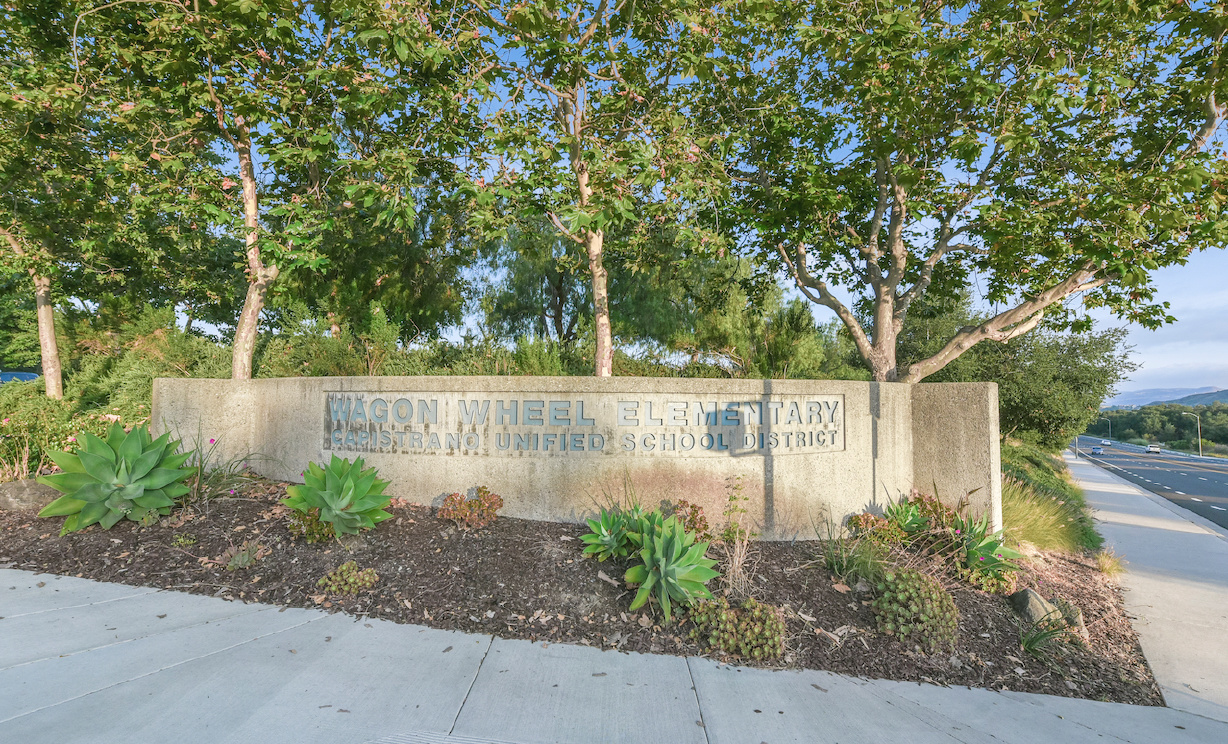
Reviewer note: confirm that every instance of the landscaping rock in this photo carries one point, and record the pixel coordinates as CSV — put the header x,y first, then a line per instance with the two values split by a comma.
x,y
26,495
1032,607
1074,619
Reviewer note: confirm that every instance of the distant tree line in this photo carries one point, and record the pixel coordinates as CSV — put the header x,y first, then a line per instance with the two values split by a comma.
x,y
1167,423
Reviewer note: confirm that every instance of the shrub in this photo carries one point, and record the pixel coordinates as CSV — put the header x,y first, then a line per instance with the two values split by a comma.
x,y
674,568
753,631
1040,505
126,476
857,558
346,495
309,526
906,517
692,517
876,528
348,579
472,514
935,514
986,561
915,608
609,536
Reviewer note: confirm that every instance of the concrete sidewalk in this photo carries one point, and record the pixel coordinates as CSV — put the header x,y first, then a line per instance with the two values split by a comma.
x,y
83,661
1176,584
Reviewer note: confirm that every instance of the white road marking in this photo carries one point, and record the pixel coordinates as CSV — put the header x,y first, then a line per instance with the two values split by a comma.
x,y
1213,506
1181,492
1193,498
1201,478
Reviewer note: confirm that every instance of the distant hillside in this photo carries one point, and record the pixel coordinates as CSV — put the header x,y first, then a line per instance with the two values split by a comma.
x,y
1200,399
1135,398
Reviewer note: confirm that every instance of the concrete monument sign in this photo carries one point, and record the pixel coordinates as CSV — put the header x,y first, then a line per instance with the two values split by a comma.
x,y
557,448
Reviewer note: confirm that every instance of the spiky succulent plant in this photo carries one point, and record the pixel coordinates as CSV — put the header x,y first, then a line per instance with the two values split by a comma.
x,y
608,538
674,568
348,497
128,475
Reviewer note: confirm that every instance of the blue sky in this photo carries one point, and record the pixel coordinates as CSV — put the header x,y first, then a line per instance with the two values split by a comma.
x,y
1193,352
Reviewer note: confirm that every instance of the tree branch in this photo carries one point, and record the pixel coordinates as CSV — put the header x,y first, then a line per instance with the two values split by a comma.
x,y
1008,324
808,284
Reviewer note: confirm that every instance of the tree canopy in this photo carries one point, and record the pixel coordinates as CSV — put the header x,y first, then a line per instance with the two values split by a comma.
x,y
1049,150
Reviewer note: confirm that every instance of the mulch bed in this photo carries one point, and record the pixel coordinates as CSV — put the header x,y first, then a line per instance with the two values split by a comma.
x,y
526,579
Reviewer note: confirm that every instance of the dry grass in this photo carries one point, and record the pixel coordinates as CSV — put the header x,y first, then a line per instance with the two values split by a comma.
x,y
18,468
1110,564
1047,519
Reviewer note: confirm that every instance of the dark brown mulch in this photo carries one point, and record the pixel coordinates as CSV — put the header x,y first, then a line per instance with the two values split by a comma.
x,y
525,579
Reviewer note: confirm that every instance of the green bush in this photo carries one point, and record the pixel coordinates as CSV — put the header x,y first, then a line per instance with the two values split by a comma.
x,y
126,476
753,631
917,609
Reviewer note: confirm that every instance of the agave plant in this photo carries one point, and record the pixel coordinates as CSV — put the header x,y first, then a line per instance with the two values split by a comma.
x,y
128,475
674,568
643,527
608,538
348,497
907,516
985,551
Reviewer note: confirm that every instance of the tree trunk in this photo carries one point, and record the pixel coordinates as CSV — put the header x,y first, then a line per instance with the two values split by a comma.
x,y
49,348
259,276
604,358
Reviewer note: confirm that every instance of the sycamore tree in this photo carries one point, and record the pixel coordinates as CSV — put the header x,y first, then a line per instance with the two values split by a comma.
x,y
316,108
586,129
1041,151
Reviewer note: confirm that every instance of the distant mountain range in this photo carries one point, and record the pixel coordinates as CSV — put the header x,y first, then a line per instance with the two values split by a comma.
x,y
1201,399
1150,396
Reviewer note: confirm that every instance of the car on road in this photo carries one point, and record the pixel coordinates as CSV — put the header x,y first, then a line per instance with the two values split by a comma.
x,y
1097,450
1106,443
1153,448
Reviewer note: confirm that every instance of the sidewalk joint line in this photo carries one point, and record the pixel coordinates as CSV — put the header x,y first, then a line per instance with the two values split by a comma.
x,y
131,640
163,669
695,691
86,604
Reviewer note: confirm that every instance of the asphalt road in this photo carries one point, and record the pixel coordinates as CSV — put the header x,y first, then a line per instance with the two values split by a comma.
x,y
1197,484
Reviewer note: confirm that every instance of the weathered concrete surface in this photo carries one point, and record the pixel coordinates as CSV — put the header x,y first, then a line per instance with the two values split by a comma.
x,y
1176,583
26,495
558,448
574,693
955,442
215,672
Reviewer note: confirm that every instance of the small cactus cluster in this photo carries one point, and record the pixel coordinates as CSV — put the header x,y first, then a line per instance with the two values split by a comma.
x,y
348,579
692,518
876,528
308,526
472,514
753,631
915,608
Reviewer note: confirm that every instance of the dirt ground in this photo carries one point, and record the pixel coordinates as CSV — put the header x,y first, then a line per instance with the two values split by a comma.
x,y
526,579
